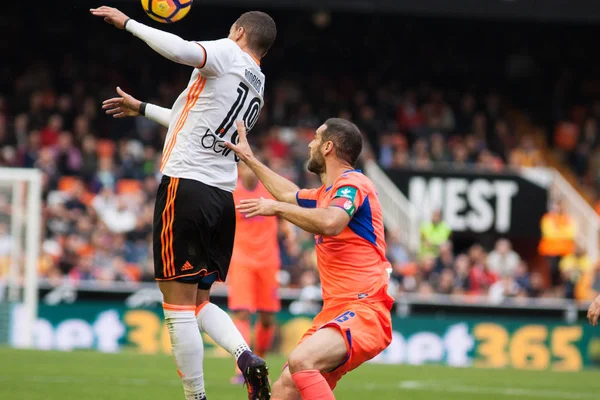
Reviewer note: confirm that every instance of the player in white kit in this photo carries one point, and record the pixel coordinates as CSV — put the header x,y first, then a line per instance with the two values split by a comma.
x,y
194,218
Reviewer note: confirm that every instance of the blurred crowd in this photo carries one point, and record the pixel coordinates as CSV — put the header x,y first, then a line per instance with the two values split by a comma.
x,y
99,188
101,175
576,142
497,273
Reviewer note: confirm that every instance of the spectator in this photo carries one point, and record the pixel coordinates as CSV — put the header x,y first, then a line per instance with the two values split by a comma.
x,y
558,239
445,259
503,260
438,114
589,287
572,268
310,296
462,278
83,270
119,219
433,234
89,164
67,155
439,150
466,113
480,277
526,155
396,253
445,284
49,135
522,278
410,117
536,288
503,288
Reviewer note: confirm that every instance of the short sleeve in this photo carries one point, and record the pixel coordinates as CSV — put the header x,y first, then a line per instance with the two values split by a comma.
x,y
348,195
218,57
307,198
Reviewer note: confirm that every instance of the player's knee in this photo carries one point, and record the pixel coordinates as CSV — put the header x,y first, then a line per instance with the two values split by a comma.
x,y
178,293
242,315
300,361
267,320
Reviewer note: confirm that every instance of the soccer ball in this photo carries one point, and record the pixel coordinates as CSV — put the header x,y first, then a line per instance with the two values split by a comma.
x,y
167,11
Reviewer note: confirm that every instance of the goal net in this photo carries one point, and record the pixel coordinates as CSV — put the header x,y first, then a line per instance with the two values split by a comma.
x,y
20,241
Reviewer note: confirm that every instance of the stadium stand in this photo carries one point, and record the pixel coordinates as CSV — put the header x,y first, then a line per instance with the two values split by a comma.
x,y
448,105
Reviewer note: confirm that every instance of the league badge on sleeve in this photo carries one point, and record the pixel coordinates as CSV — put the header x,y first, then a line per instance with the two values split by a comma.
x,y
344,198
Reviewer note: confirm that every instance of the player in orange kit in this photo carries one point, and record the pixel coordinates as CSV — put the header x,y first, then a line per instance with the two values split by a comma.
x,y
345,216
254,267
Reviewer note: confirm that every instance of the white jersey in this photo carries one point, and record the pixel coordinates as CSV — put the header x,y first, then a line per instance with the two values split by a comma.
x,y
228,87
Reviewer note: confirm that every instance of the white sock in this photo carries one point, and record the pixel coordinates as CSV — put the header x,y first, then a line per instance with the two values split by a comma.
x,y
188,349
218,325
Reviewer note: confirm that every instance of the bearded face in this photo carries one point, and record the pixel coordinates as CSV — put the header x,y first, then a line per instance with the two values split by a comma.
x,y
316,163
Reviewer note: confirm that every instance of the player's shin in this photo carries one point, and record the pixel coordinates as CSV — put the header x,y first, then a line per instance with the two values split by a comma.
x,y
312,385
263,338
188,349
218,325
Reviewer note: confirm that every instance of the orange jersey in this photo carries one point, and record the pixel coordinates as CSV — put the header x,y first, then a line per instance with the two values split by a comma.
x,y
352,265
255,244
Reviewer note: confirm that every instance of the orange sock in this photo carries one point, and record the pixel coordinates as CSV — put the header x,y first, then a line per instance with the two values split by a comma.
x,y
263,338
244,327
312,385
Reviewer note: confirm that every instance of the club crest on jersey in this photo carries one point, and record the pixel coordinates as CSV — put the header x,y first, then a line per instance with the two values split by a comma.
x,y
347,205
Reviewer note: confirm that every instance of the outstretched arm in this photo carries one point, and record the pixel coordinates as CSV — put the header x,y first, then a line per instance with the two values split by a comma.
x,y
166,44
279,187
329,221
129,106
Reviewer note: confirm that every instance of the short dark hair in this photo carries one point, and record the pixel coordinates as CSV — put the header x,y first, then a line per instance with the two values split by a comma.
x,y
346,138
260,28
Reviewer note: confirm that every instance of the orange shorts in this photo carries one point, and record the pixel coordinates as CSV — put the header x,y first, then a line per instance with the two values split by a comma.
x,y
253,289
366,327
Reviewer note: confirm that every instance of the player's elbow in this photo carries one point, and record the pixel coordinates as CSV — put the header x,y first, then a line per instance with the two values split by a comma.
x,y
332,227
187,53
289,197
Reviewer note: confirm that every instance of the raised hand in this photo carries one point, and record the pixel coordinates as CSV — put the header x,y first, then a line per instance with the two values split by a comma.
x,y
242,148
121,107
255,207
594,311
111,16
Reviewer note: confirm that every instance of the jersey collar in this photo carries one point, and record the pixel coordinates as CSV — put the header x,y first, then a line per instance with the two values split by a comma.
x,y
345,172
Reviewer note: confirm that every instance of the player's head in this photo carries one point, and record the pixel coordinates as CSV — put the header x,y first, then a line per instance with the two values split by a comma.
x,y
256,30
337,139
248,177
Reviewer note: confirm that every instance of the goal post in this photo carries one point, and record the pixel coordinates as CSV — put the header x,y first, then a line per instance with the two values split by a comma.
x,y
22,188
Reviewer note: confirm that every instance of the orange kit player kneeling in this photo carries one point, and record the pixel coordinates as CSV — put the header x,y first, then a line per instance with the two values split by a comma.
x,y
345,216
254,268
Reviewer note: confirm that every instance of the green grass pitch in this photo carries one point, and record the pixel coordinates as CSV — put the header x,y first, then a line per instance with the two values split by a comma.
x,y
38,375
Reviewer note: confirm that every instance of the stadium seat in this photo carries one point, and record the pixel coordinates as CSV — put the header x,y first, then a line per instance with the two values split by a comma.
x,y
566,136
65,183
105,148
125,186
